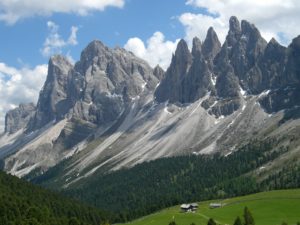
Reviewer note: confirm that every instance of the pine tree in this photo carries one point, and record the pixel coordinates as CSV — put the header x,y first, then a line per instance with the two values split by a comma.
x,y
211,222
237,221
248,217
74,221
172,223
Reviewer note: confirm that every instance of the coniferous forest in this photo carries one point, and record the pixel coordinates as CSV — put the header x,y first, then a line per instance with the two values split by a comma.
x,y
25,204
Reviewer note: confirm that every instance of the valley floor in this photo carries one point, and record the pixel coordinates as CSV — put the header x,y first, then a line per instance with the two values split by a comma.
x,y
268,208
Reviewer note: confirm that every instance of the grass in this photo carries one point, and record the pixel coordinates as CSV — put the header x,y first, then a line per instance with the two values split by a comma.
x,y
268,208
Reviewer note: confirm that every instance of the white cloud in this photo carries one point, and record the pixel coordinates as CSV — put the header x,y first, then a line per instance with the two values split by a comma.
x,y
198,24
73,36
70,58
19,86
54,42
274,18
156,51
13,10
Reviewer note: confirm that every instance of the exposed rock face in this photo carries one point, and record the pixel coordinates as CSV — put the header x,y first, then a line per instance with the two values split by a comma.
x,y
281,99
227,84
211,45
197,48
105,81
198,81
246,54
190,76
213,93
245,63
97,89
283,74
170,88
272,65
53,101
158,72
243,48
75,102
18,118
293,62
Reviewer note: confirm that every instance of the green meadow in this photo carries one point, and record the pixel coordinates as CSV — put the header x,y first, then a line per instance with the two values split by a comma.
x,y
267,208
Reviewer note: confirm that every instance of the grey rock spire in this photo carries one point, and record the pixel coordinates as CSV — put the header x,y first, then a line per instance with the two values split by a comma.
x,y
19,117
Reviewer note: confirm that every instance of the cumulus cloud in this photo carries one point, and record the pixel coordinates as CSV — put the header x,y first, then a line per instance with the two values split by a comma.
x,y
196,25
156,51
54,42
19,86
274,18
73,36
12,11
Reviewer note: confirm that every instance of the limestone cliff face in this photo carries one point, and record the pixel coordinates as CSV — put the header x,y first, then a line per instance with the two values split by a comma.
x,y
19,117
104,81
245,63
170,88
97,89
116,110
53,102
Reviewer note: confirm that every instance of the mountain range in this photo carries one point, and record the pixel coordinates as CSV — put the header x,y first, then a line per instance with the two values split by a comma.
x,y
111,110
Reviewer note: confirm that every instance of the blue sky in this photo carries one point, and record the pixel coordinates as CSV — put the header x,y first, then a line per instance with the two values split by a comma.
x,y
22,42
32,30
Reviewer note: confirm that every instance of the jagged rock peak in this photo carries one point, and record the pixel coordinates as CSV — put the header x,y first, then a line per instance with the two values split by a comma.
x,y
293,68
122,51
19,117
250,29
234,32
181,60
211,34
246,26
60,62
274,50
52,99
273,41
94,48
172,81
211,45
158,72
182,49
234,24
273,44
196,49
295,43
58,69
95,44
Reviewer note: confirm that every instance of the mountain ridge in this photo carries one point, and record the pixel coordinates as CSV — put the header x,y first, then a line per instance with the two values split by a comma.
x,y
112,110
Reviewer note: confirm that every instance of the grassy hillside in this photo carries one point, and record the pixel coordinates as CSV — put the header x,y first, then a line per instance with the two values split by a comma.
x,y
25,204
268,208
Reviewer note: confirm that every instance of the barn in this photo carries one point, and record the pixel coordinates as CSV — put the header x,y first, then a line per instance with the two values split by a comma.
x,y
191,207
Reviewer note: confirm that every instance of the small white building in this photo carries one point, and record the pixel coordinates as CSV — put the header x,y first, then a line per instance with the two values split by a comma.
x,y
192,207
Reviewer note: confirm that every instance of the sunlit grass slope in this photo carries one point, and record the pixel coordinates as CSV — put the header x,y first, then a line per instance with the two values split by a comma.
x,y
268,208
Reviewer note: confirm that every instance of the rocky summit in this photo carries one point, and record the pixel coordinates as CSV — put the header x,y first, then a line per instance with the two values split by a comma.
x,y
112,110
19,117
